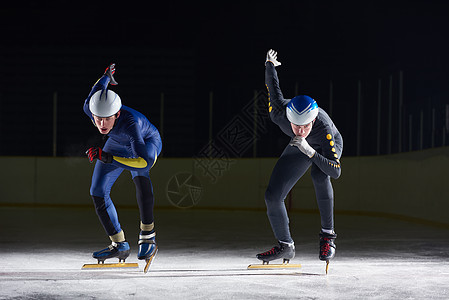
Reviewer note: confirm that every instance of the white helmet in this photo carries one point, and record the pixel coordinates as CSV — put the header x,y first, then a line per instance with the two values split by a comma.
x,y
301,110
104,103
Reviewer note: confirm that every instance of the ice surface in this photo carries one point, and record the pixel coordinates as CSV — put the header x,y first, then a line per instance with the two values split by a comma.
x,y
204,254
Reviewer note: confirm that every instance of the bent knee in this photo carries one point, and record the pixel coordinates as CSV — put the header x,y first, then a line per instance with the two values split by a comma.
x,y
273,196
98,191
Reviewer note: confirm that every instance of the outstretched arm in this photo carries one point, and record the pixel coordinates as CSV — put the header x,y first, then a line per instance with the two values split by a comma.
x,y
101,84
276,101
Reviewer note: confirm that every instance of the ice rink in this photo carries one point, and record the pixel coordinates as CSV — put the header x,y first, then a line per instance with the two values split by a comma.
x,y
204,254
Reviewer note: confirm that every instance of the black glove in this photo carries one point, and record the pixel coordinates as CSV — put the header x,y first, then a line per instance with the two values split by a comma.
x,y
110,71
97,153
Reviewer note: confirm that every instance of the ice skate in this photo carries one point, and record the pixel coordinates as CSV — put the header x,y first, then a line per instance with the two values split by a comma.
x,y
284,251
327,247
120,250
147,248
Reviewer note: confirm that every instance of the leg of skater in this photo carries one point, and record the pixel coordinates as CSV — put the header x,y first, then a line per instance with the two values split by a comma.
x,y
325,200
290,167
145,200
102,180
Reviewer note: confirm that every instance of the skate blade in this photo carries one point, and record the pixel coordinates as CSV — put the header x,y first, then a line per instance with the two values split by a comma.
x,y
149,261
327,266
274,266
106,266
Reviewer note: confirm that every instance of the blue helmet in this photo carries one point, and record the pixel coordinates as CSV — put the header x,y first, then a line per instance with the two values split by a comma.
x,y
302,110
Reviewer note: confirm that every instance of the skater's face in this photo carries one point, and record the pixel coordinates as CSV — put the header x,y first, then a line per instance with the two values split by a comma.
x,y
105,125
302,130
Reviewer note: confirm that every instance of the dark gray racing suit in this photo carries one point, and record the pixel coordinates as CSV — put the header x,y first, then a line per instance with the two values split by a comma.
x,y
292,164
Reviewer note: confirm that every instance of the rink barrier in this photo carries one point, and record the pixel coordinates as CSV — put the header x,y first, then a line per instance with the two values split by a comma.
x,y
408,186
373,214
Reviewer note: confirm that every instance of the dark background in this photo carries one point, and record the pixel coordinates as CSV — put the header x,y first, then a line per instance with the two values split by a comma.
x,y
188,49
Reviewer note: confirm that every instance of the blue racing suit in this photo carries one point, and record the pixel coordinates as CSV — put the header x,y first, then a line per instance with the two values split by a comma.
x,y
135,144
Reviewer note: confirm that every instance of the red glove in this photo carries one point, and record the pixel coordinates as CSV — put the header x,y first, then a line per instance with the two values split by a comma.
x,y
110,71
97,153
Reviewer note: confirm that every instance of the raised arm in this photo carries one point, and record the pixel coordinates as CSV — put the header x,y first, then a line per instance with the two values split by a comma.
x,y
101,84
276,101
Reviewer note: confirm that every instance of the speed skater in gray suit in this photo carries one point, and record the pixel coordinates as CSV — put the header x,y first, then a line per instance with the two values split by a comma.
x,y
315,143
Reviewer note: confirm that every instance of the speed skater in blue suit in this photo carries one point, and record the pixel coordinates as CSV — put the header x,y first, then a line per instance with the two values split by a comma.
x,y
133,144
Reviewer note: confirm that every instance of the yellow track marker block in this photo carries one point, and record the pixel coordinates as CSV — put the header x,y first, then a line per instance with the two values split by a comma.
x,y
103,266
274,266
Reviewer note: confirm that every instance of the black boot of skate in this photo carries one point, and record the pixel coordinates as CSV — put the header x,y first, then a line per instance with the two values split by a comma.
x,y
327,246
284,250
